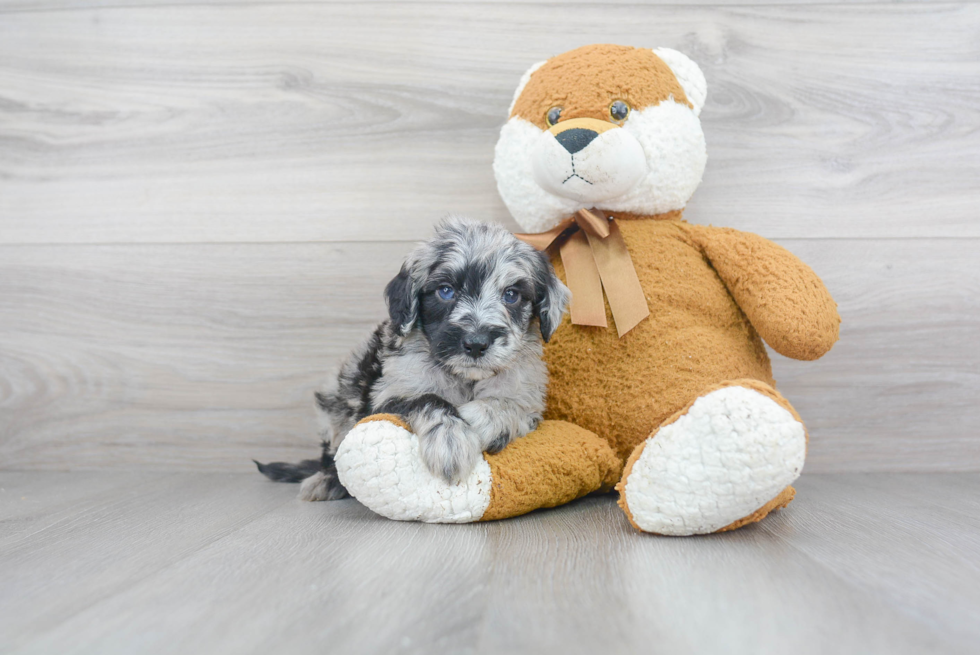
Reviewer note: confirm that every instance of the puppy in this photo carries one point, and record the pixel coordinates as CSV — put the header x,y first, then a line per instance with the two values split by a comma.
x,y
459,357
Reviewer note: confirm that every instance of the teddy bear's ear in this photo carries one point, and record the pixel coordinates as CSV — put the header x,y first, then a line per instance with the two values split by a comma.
x,y
688,74
524,80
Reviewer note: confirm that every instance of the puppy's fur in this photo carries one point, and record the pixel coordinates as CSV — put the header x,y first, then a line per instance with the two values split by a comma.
x,y
459,357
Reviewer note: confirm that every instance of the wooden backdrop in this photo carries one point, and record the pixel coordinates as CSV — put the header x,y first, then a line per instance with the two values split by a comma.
x,y
201,202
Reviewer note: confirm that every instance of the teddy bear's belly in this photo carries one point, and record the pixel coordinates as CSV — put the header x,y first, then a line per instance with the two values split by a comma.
x,y
696,336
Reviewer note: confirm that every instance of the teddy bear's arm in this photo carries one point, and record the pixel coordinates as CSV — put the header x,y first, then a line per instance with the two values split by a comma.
x,y
782,297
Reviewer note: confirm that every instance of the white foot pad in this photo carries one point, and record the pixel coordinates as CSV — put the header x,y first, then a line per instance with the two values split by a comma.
x,y
733,452
380,464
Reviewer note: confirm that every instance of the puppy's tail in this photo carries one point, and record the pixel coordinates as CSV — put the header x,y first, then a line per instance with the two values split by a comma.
x,y
319,476
284,472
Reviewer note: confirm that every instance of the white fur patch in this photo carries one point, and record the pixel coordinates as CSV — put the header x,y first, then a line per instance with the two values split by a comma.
x,y
533,208
380,464
676,154
606,168
733,452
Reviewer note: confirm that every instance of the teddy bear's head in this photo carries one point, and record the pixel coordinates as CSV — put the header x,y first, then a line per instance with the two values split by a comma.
x,y
605,126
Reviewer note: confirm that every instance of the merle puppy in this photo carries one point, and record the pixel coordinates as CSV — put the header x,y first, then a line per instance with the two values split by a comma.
x,y
459,357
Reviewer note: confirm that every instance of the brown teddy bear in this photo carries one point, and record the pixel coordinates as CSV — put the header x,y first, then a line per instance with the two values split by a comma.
x,y
660,383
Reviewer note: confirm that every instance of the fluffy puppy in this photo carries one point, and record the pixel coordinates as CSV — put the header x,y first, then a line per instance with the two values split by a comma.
x,y
459,357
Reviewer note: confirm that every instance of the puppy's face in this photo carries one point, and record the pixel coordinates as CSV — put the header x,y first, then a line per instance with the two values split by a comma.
x,y
602,126
478,295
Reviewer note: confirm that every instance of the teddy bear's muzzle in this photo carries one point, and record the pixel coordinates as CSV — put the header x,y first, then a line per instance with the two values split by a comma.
x,y
587,160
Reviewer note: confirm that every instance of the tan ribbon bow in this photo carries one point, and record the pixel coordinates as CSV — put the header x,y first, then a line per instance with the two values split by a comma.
x,y
596,258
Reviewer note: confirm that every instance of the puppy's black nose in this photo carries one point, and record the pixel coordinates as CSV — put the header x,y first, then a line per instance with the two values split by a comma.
x,y
576,138
476,344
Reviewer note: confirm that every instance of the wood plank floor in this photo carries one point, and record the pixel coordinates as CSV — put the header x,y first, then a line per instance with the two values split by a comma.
x,y
97,562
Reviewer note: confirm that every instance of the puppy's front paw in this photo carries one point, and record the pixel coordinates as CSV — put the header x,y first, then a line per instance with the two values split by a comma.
x,y
479,415
450,448
497,424
499,443
380,463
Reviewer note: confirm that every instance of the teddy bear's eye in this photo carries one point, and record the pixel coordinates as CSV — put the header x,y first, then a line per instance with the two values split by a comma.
x,y
553,115
619,110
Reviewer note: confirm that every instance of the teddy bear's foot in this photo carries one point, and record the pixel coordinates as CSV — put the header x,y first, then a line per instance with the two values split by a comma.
x,y
724,461
380,464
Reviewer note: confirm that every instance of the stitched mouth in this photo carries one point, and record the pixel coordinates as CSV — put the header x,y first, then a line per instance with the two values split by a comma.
x,y
574,174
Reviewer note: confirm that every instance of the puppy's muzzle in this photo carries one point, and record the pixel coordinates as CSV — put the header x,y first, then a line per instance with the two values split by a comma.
x,y
475,344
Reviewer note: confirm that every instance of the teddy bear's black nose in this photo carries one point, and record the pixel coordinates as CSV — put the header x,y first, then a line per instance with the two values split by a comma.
x,y
576,138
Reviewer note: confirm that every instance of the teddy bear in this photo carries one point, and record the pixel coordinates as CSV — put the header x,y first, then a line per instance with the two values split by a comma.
x,y
660,385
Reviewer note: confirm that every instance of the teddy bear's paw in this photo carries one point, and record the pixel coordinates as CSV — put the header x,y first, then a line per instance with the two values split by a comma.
x,y
380,464
732,452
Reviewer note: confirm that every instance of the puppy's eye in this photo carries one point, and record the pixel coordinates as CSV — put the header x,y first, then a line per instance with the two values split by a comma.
x,y
511,296
619,110
446,292
554,114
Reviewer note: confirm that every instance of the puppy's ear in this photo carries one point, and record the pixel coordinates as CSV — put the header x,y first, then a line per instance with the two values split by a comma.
x,y
551,297
403,306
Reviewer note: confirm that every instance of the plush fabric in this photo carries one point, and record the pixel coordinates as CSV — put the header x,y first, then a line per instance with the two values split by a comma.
x,y
710,292
734,454
784,498
553,465
696,335
380,464
782,298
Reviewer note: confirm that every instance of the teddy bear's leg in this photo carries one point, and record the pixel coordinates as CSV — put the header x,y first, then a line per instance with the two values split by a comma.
x,y
724,461
380,464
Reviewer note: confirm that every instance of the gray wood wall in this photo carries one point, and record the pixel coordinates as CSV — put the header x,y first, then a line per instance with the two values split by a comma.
x,y
200,204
